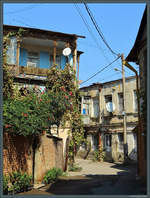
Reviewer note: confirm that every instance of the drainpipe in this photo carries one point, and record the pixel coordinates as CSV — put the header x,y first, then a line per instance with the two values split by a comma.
x,y
78,60
99,139
125,144
139,116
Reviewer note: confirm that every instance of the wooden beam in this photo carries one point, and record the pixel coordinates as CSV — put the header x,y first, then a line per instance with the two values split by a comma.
x,y
18,55
78,60
75,55
54,52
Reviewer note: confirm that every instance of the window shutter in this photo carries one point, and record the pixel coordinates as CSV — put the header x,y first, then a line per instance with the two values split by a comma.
x,y
44,60
23,57
11,51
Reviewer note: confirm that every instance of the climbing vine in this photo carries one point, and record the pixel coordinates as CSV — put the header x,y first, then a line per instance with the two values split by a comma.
x,y
30,114
8,85
65,80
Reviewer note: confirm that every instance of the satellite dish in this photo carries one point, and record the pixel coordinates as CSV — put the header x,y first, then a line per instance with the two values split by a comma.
x,y
66,51
110,106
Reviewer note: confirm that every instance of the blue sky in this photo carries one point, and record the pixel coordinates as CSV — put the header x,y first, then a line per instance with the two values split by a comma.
x,y
119,24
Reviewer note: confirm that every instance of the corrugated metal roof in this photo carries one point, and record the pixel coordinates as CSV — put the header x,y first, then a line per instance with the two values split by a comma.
x,y
45,31
105,83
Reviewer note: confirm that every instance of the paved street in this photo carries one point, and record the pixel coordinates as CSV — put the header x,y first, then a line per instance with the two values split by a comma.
x,y
96,179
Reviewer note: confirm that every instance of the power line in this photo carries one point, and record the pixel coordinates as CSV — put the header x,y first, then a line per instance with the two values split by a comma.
x,y
90,31
98,29
20,21
21,10
25,23
100,70
109,76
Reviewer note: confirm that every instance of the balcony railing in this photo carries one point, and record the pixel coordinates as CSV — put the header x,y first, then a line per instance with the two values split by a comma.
x,y
15,70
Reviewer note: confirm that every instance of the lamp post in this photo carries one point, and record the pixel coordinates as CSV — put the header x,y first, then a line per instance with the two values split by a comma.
x,y
125,145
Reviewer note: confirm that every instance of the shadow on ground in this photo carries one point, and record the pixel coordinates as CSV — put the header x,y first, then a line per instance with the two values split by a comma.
x,y
96,185
124,183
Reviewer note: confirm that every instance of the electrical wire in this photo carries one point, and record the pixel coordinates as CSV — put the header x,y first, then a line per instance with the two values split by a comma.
x,y
21,10
20,21
98,29
109,76
91,33
100,70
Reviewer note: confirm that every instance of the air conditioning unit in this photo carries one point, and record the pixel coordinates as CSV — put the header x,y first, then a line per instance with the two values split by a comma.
x,y
31,64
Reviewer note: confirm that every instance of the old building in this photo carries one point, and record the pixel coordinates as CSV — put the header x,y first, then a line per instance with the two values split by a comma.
x,y
138,55
29,57
106,127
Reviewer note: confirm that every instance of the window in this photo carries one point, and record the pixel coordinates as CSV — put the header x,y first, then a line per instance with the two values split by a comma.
x,y
135,142
108,98
33,59
108,142
95,111
120,142
86,103
134,101
11,51
58,60
95,142
120,102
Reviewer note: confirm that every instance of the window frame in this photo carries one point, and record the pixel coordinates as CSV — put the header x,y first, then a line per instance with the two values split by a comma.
x,y
120,106
37,57
109,140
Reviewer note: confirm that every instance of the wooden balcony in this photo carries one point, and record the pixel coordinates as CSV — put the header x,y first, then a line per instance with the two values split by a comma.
x,y
15,70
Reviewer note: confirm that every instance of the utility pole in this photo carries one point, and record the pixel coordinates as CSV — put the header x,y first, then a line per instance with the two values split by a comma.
x,y
125,146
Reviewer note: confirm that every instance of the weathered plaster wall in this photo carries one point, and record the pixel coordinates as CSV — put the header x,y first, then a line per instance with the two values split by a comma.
x,y
113,89
48,155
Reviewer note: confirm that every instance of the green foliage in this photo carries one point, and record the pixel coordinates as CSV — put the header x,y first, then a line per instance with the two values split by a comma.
x,y
99,155
31,114
8,87
65,80
52,175
75,168
20,181
5,185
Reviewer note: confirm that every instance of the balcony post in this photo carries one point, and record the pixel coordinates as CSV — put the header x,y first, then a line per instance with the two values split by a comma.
x,y
17,56
54,52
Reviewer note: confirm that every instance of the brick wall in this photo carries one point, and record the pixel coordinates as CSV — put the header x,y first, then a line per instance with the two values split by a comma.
x,y
18,155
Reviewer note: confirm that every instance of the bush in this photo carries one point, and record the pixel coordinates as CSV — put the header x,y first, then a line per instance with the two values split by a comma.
x,y
32,114
5,185
99,155
75,168
20,181
52,175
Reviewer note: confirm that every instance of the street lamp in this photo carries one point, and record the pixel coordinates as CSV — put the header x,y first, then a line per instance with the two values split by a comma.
x,y
125,145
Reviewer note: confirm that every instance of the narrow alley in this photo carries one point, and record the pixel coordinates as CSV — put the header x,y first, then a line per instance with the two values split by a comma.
x,y
96,178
